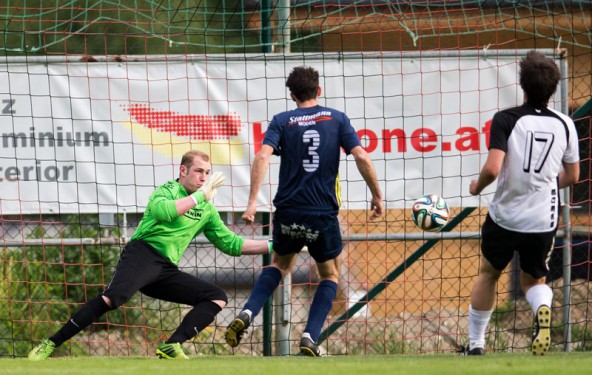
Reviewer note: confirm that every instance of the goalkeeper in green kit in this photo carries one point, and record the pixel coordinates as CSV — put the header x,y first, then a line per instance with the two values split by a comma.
x,y
176,213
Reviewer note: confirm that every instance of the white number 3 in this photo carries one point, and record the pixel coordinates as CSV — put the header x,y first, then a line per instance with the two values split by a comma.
x,y
313,139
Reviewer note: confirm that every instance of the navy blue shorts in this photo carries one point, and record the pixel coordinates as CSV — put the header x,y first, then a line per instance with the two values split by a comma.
x,y
499,244
320,232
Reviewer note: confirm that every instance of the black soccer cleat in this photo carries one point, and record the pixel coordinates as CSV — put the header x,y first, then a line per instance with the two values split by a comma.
x,y
235,331
309,348
541,335
467,351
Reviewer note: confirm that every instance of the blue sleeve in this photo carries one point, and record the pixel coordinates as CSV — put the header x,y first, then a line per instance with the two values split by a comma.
x,y
349,137
273,136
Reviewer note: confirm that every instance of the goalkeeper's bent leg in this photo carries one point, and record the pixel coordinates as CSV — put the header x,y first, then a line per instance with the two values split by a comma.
x,y
195,321
89,313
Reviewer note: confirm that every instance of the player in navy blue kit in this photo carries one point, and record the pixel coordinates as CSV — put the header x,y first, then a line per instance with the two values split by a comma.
x,y
533,152
309,140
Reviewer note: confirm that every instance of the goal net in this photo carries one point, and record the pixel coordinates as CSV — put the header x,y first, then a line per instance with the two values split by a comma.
x,y
99,100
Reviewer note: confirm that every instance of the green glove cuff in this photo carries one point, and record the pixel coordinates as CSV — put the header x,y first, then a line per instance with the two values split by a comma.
x,y
270,246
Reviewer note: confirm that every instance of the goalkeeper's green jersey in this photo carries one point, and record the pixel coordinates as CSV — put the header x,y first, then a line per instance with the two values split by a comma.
x,y
170,234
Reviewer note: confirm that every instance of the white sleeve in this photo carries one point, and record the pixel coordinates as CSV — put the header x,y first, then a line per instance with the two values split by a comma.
x,y
572,152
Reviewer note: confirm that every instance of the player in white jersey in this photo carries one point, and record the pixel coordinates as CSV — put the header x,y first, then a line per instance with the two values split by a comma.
x,y
533,152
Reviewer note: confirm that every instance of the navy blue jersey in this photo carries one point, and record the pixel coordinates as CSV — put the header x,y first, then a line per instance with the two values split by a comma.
x,y
309,141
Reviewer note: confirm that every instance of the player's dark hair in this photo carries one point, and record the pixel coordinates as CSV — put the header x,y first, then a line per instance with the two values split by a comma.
x,y
303,82
539,76
190,156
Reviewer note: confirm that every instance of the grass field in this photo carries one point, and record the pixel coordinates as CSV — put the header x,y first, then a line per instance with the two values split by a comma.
x,y
503,363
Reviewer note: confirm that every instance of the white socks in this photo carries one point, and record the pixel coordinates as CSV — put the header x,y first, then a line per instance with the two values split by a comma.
x,y
538,295
478,321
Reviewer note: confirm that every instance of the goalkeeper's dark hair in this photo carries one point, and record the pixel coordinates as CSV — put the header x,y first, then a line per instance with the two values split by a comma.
x,y
303,82
190,156
539,76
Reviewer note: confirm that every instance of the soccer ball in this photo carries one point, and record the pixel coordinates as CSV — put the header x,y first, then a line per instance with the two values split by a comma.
x,y
430,212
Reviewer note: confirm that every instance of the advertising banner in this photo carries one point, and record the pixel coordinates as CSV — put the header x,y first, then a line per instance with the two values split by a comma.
x,y
100,136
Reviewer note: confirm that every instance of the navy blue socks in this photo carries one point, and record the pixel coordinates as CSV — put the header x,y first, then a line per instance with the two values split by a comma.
x,y
320,307
268,281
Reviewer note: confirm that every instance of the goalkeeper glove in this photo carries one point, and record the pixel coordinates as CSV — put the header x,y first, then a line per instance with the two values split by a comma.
x,y
209,189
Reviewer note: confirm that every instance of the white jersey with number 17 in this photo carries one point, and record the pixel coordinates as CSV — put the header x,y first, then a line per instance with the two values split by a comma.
x,y
536,143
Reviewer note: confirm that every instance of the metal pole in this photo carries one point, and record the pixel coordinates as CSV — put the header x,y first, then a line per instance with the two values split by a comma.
x,y
202,240
267,308
266,31
567,239
266,25
283,294
567,235
283,314
284,26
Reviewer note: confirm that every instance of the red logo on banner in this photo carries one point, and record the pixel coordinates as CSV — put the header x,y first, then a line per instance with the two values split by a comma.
x,y
171,134
202,127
